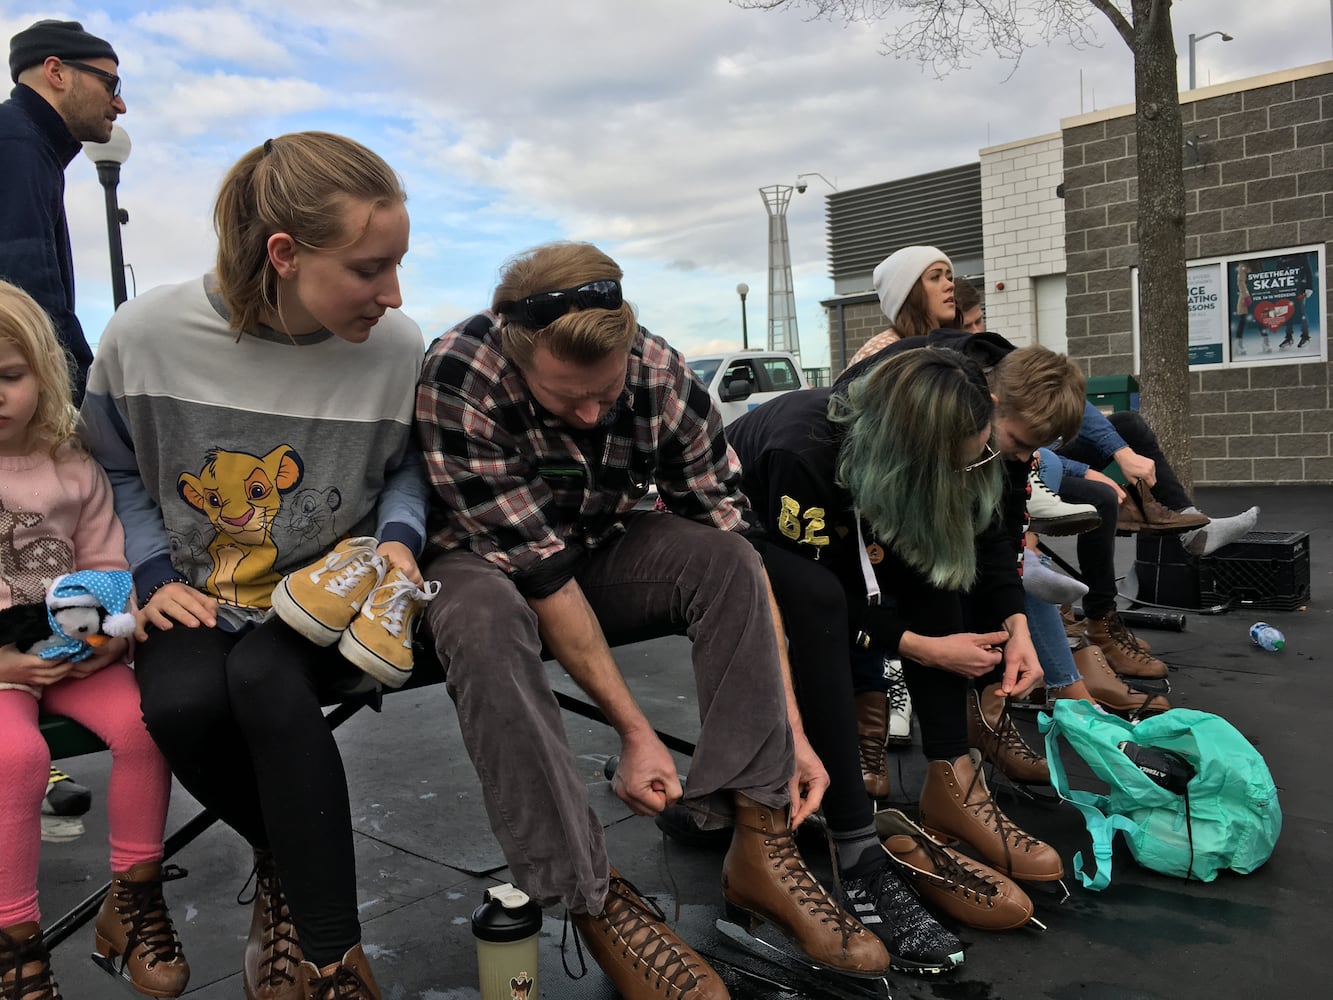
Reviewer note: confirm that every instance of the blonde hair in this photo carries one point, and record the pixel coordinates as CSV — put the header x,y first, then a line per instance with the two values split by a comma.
x,y
299,184
581,336
1044,390
25,326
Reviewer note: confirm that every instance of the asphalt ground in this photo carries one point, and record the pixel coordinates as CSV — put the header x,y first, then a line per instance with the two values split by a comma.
x,y
426,854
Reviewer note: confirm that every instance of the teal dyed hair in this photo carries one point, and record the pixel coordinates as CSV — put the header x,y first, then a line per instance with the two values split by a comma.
x,y
908,425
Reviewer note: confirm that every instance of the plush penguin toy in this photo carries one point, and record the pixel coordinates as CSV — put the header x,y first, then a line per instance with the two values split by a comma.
x,y
81,612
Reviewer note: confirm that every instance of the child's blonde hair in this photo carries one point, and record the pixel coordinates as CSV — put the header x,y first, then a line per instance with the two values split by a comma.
x,y
25,326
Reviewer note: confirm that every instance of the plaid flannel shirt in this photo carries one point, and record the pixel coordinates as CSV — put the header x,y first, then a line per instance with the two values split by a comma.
x,y
518,487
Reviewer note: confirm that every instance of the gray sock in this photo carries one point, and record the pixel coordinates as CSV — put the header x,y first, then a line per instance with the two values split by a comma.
x,y
1045,584
852,846
1218,532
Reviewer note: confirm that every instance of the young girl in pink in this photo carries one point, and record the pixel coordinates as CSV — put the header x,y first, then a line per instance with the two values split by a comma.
x,y
56,517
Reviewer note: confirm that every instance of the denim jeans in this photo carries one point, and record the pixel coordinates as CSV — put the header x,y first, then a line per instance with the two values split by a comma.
x,y
666,571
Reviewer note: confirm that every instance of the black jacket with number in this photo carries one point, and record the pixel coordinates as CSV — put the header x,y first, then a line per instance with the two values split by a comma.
x,y
788,450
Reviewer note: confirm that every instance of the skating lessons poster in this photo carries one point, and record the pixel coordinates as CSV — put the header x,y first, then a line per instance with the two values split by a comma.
x,y
1276,307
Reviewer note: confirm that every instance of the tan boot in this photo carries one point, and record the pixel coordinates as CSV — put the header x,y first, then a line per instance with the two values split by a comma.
x,y
272,966
1109,691
25,964
764,878
957,805
970,892
640,954
349,979
1078,632
1122,648
1142,513
991,729
134,926
872,734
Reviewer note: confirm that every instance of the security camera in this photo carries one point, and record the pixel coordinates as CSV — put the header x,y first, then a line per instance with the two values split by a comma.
x,y
801,186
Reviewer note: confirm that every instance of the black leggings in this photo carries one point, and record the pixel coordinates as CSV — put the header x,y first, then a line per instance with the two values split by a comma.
x,y
238,718
815,616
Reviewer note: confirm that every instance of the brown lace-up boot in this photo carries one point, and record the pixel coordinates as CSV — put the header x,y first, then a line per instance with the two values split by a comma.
x,y
135,927
25,964
764,878
1122,648
956,804
640,954
972,893
349,979
1142,513
872,734
272,967
1112,693
990,728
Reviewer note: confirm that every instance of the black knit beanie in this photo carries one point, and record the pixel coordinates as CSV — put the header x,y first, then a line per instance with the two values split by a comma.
x,y
64,39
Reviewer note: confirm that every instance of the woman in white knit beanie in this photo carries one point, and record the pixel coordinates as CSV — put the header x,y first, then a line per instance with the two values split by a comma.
x,y
915,288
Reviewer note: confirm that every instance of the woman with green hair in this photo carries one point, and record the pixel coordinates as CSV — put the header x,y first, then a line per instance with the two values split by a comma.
x,y
890,482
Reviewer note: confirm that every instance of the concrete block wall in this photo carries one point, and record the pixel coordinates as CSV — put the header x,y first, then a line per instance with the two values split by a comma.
x,y
861,318
1023,225
1263,181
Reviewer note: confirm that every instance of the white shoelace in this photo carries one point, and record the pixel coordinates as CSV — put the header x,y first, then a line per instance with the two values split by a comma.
x,y
390,603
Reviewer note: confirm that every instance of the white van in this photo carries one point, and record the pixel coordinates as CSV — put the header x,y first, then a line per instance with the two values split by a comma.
x,y
741,380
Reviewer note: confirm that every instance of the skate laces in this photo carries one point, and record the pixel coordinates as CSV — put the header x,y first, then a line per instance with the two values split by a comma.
x,y
142,907
36,985
343,983
348,567
1009,737
799,882
949,868
989,813
280,962
390,603
638,924
1124,638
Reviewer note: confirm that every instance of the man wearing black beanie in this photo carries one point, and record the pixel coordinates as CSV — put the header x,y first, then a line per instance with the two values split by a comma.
x,y
66,92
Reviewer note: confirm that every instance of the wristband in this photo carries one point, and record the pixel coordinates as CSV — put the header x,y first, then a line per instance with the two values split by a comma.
x,y
172,579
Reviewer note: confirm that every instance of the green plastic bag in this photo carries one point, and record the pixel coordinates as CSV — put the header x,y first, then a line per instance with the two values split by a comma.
x,y
1228,817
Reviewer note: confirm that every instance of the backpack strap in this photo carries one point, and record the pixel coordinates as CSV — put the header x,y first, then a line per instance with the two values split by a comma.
x,y
1101,827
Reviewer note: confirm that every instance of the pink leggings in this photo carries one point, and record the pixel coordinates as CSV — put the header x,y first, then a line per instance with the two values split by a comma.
x,y
137,793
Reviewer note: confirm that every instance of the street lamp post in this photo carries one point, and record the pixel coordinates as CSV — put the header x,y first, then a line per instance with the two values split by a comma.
x,y
109,156
1195,40
743,290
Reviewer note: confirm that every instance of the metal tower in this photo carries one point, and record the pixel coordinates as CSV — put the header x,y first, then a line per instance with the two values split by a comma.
x,y
782,335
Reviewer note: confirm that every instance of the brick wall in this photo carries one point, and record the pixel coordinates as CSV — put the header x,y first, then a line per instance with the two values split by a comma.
x,y
1263,181
1023,230
861,319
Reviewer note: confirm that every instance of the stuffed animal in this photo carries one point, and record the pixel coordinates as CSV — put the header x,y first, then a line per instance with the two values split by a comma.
x,y
81,612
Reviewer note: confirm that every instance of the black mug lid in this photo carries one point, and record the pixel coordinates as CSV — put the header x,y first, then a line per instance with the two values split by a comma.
x,y
506,915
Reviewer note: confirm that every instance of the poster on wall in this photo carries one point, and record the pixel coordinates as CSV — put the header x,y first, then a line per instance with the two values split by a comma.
x,y
1207,323
1277,306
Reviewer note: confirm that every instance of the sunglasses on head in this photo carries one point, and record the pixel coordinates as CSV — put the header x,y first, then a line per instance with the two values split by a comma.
x,y
544,308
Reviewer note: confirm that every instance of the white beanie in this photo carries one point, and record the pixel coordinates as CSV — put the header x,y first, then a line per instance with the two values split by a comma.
x,y
898,272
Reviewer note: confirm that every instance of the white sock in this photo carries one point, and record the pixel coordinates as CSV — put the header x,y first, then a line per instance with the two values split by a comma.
x,y
1218,532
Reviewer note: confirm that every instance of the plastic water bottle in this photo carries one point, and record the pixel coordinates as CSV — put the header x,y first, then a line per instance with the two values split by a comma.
x,y
1267,637
506,926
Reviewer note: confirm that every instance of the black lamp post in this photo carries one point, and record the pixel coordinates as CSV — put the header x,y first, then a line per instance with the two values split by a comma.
x,y
109,156
743,290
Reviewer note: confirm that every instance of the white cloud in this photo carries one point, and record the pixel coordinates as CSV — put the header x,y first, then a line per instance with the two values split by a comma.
x,y
645,126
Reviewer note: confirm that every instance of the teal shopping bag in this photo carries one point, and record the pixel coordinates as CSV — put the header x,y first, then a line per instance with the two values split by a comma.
x,y
1227,815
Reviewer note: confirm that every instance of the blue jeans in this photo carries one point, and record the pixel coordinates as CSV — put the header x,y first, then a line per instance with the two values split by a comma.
x,y
1044,624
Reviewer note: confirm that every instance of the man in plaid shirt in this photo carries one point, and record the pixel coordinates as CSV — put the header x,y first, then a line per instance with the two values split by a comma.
x,y
542,422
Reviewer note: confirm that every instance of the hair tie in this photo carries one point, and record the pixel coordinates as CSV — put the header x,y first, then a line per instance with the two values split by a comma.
x,y
268,146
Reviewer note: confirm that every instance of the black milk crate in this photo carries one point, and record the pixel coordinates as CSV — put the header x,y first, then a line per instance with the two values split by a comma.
x,y
1269,570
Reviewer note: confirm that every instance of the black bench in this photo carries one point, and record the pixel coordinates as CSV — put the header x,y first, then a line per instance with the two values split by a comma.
x,y
66,738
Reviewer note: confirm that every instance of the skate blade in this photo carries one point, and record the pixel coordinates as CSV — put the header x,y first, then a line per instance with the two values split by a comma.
x,y
112,967
861,985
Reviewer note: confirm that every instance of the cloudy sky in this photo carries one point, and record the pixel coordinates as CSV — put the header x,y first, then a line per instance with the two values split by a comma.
x,y
645,126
